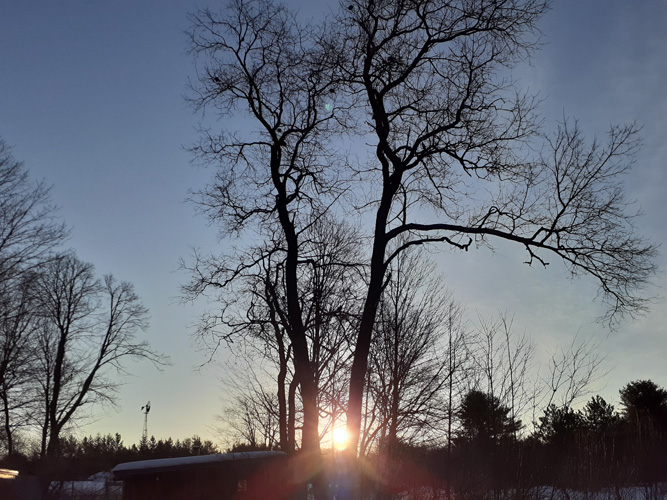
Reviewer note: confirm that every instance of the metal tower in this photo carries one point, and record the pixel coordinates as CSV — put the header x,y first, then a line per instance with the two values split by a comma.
x,y
145,409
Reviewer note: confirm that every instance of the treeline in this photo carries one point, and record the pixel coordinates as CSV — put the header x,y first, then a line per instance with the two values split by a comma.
x,y
592,449
65,332
79,458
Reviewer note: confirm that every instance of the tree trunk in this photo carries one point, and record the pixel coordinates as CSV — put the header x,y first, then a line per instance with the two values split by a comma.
x,y
282,399
53,446
7,426
291,416
377,275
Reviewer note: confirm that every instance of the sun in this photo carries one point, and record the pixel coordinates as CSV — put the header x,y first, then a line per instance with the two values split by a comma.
x,y
340,438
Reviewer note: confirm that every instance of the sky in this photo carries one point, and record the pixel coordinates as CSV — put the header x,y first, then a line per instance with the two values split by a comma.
x,y
92,100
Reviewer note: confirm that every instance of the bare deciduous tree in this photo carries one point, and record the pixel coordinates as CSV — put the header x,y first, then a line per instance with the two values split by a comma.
x,y
87,327
257,57
29,232
410,368
501,364
29,226
572,371
453,144
253,417
452,135
18,327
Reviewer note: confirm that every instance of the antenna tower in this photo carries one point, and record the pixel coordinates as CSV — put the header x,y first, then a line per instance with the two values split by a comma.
x,y
145,409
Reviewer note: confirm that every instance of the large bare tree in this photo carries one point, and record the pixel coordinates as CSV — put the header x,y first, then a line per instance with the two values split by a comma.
x,y
281,179
456,155
251,316
87,326
453,135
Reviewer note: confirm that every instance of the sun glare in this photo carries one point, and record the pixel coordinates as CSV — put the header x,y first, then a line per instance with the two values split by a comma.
x,y
340,438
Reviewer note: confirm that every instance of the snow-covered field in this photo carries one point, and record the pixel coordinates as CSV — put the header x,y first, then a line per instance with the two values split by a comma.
x,y
648,492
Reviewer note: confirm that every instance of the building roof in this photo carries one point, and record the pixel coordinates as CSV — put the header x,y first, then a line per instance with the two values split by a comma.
x,y
141,467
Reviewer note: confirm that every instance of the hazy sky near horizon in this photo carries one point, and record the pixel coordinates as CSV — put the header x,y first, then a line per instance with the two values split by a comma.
x,y
91,99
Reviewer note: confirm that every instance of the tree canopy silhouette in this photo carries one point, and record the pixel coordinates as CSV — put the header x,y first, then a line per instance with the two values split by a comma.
x,y
450,152
485,420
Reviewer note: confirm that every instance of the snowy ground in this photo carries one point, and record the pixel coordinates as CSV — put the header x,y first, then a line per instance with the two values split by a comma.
x,y
648,492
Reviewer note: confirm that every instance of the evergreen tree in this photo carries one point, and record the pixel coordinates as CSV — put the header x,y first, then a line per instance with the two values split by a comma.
x,y
485,420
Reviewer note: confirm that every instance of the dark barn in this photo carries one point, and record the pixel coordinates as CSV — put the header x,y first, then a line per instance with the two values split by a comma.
x,y
243,476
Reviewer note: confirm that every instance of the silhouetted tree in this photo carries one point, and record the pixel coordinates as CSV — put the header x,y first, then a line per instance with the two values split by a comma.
x,y
484,445
571,371
255,55
500,363
485,420
428,73
599,415
645,413
601,451
87,326
560,425
448,132
409,366
253,317
253,417
29,231
29,226
644,400
18,329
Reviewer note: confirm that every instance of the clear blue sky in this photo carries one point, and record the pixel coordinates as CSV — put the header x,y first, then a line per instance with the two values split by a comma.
x,y
91,98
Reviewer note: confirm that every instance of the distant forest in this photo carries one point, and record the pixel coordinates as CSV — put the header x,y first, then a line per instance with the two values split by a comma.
x,y
82,457
590,449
